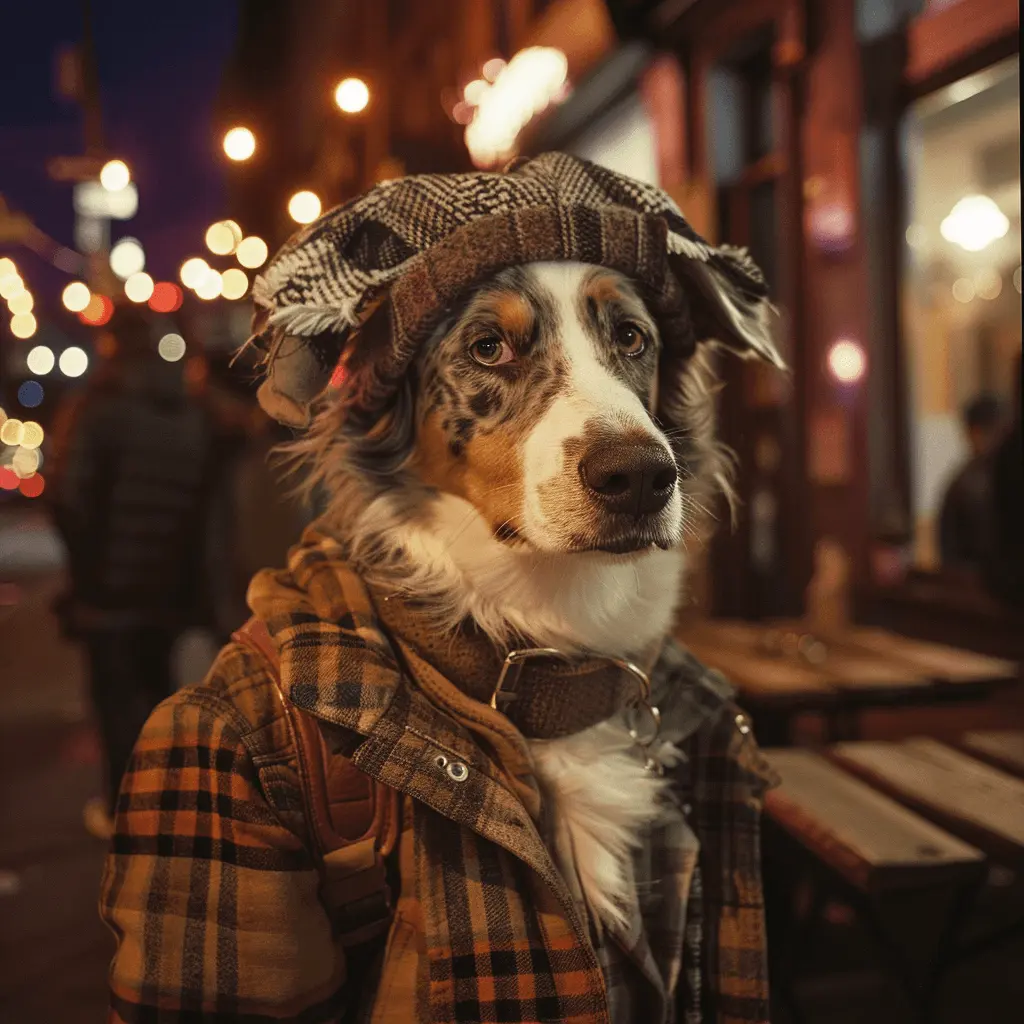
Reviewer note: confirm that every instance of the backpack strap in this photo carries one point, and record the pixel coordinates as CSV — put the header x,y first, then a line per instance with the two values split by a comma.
x,y
353,820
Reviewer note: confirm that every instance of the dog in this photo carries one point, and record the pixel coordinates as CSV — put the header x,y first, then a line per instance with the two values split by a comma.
x,y
541,472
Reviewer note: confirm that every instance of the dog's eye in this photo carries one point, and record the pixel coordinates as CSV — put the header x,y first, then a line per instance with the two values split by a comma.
x,y
630,338
491,351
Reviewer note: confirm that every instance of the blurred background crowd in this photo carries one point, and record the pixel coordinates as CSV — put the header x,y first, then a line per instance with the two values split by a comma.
x,y
866,151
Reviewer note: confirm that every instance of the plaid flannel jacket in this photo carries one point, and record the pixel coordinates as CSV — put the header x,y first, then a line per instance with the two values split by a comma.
x,y
213,894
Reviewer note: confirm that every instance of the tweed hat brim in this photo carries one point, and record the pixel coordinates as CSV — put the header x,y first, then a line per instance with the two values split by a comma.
x,y
417,245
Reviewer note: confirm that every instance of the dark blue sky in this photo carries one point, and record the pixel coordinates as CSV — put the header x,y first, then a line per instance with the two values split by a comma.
x,y
160,67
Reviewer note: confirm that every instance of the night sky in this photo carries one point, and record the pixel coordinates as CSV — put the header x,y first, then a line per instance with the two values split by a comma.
x,y
160,67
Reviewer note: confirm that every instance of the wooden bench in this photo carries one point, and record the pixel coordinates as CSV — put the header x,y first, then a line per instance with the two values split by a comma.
x,y
979,803
1003,748
863,835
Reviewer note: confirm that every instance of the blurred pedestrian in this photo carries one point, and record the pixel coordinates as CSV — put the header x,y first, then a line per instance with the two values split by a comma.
x,y
129,491
965,519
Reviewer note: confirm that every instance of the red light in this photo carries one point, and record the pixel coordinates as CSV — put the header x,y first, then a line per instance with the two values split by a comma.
x,y
98,312
166,298
8,479
33,485
338,377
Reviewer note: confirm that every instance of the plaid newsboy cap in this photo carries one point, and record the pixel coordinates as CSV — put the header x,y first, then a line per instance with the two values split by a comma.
x,y
411,248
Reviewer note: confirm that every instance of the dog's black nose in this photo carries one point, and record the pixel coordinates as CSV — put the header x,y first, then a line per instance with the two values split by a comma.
x,y
635,479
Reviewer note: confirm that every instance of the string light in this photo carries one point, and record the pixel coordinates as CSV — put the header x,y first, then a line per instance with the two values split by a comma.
x,y
21,303
41,360
32,434
75,297
210,286
223,237
98,312
193,271
166,298
11,285
239,143
115,175
252,252
23,325
234,283
139,287
304,207
847,361
73,362
127,257
11,431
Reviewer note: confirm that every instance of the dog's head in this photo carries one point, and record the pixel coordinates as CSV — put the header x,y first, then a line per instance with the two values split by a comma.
x,y
538,405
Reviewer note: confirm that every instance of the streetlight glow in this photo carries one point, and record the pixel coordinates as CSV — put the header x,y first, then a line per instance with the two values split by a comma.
x,y
352,95
304,207
239,143
115,175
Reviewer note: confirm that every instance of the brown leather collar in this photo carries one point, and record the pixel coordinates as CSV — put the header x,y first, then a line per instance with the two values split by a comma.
x,y
543,697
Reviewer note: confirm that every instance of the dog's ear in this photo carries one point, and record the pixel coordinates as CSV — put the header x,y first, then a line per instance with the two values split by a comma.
x,y
299,368
728,303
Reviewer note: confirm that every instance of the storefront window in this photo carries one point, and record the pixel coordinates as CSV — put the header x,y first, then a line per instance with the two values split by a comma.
x,y
961,303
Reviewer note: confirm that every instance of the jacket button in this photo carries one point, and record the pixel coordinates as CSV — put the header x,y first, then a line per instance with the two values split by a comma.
x,y
441,761
457,771
743,724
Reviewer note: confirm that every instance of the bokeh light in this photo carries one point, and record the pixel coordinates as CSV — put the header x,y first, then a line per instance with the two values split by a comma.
x,y
8,479
115,175
8,268
73,362
25,462
304,207
988,284
139,287
41,360
127,257
166,297
252,252
193,271
974,223
847,361
493,68
75,297
11,285
32,434
239,143
23,325
352,95
33,486
98,312
223,237
31,394
21,303
963,289
210,285
171,347
234,283
12,431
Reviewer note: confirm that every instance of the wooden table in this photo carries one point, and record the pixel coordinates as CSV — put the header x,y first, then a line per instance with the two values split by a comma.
x,y
836,674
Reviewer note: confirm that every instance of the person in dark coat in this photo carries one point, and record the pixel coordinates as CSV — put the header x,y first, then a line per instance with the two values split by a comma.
x,y
966,528
129,494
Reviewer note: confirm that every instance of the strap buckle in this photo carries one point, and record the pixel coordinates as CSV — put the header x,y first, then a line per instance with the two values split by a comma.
x,y
504,692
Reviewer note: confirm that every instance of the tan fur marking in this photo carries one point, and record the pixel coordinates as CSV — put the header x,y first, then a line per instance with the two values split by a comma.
x,y
604,288
513,312
489,475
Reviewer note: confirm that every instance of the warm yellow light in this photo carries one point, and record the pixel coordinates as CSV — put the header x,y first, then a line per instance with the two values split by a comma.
x,y
21,303
210,286
239,143
7,267
11,285
304,207
193,271
352,95
252,252
139,287
115,175
987,283
73,362
127,257
75,297
23,325
25,461
223,237
234,283
40,360
11,431
31,435
474,91
847,361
